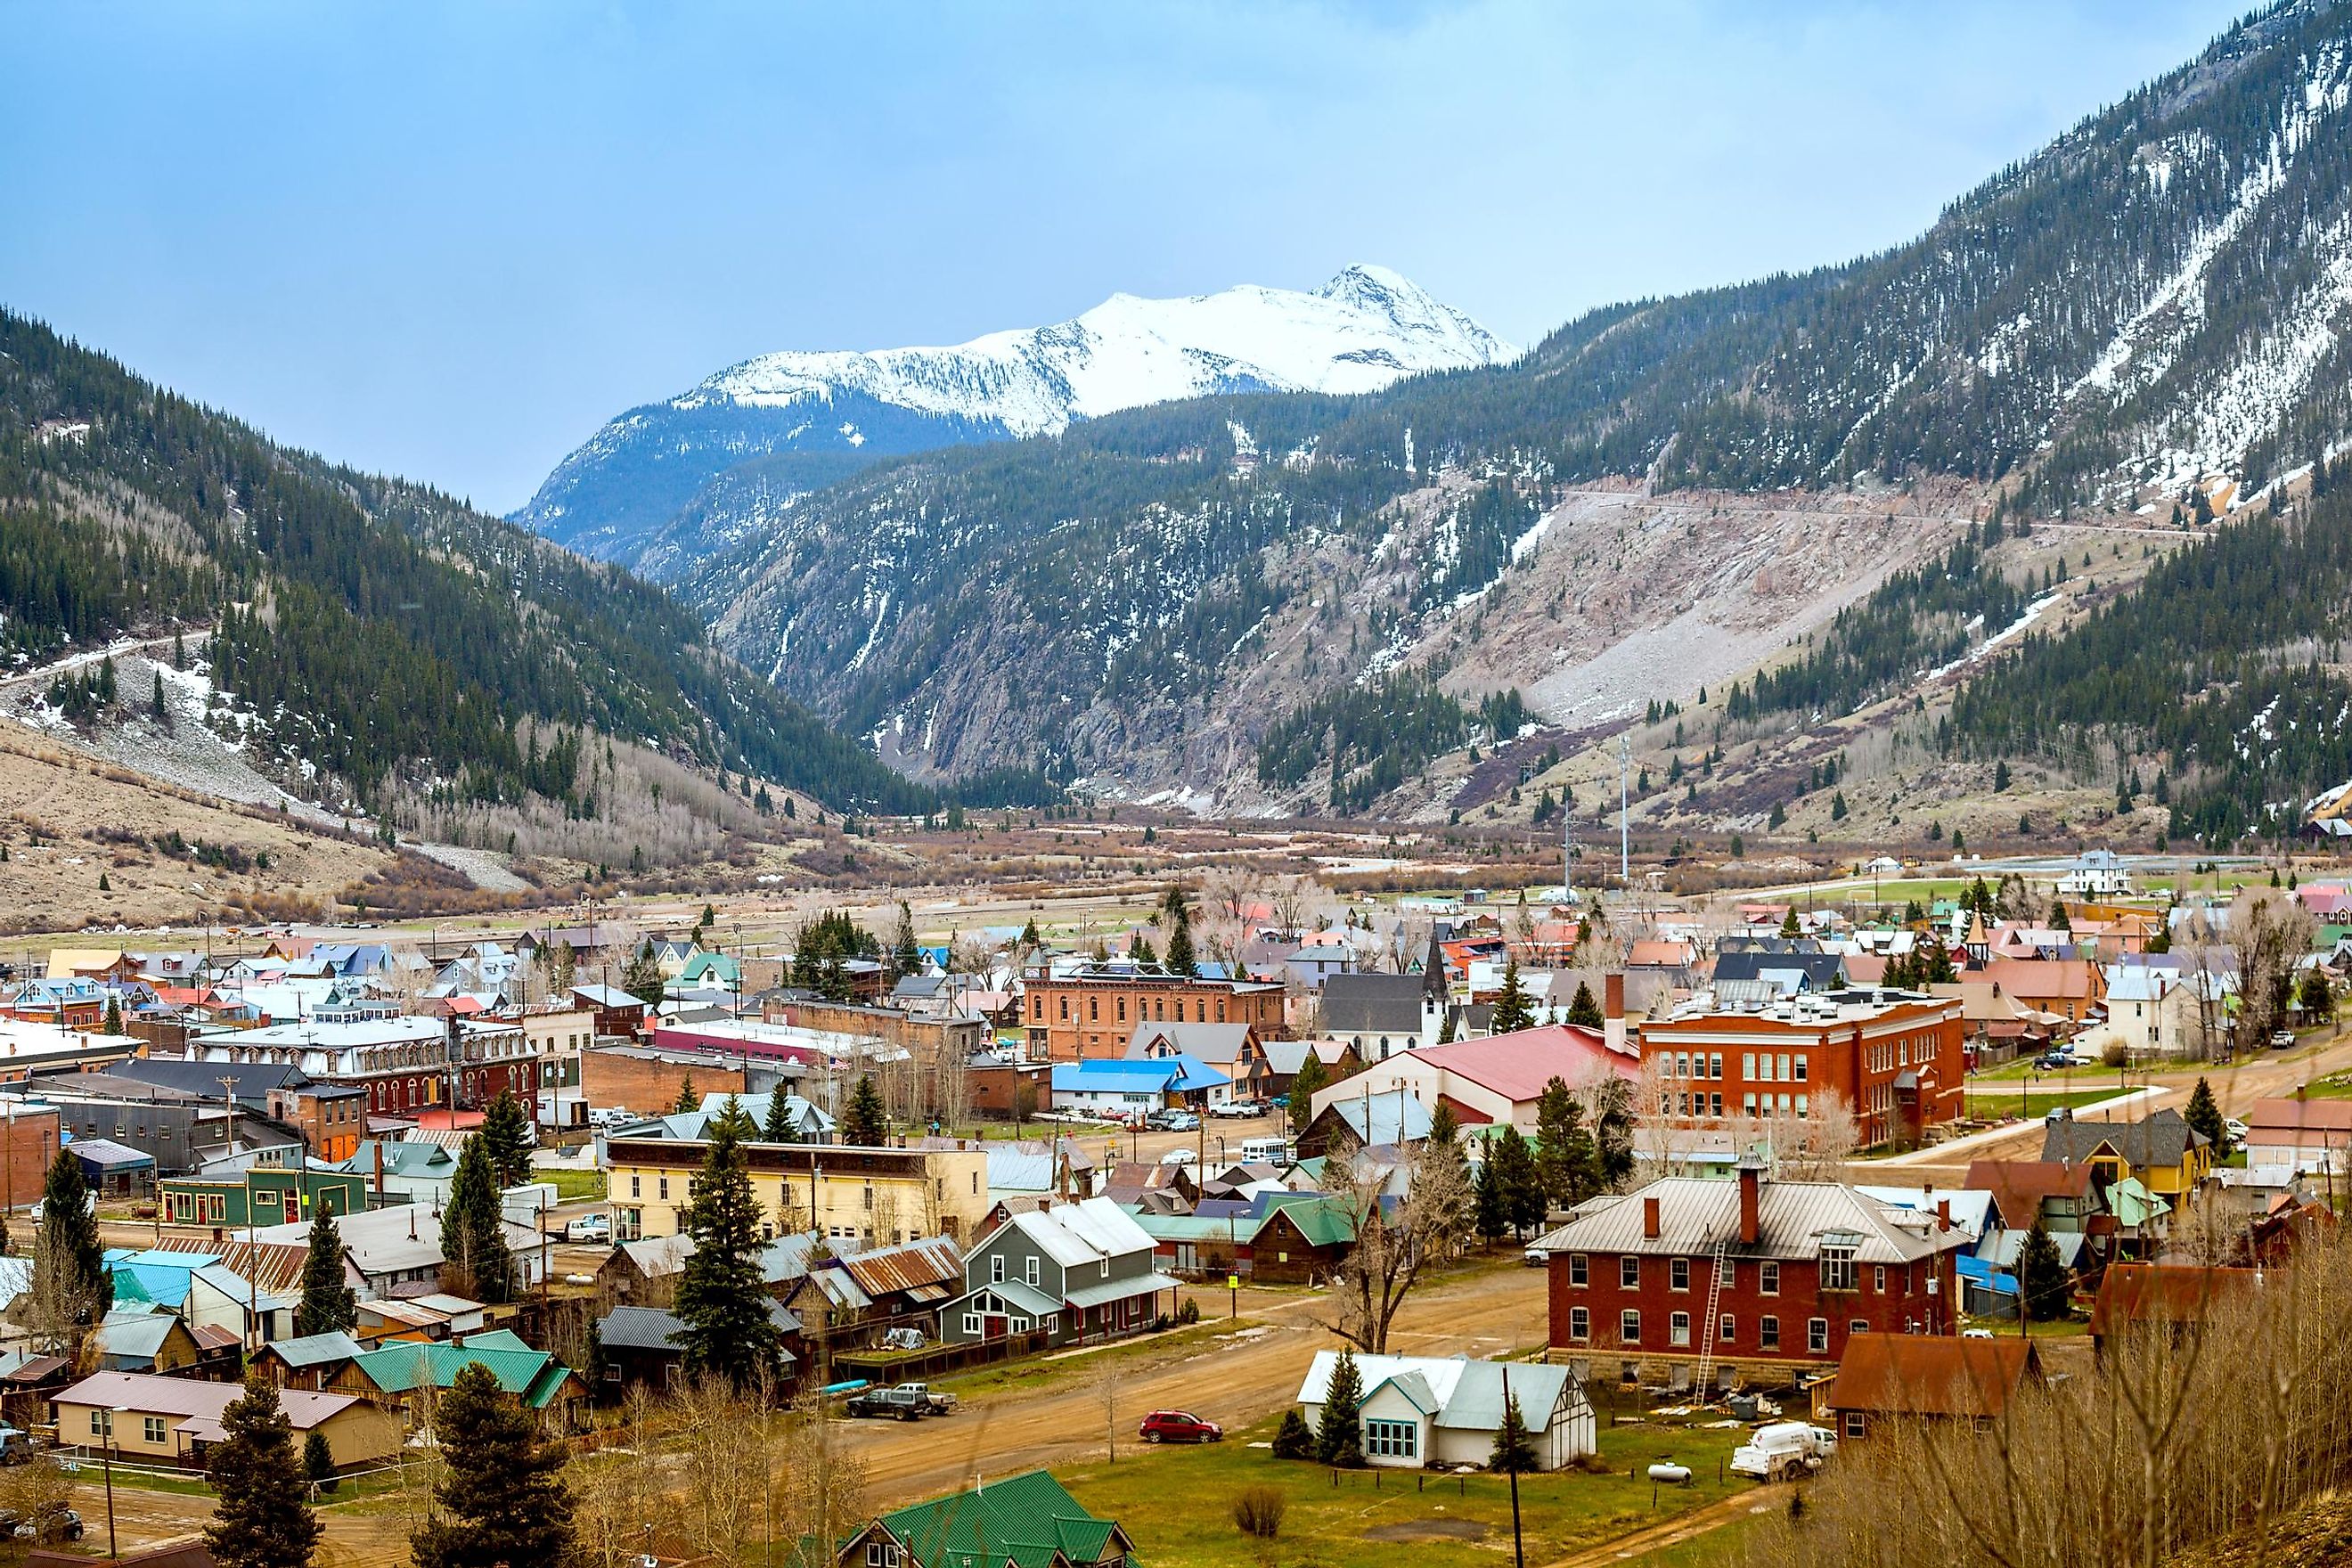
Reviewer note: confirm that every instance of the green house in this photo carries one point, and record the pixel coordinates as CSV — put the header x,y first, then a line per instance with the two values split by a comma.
x,y
1027,1521
264,1195
397,1375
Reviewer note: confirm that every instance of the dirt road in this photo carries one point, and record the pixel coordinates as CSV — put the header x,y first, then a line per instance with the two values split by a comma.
x,y
1233,1382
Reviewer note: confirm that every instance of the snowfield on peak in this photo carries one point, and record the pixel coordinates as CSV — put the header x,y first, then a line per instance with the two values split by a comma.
x,y
787,423
1359,333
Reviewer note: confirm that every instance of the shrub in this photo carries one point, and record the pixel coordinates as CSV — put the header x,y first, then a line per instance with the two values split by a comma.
x,y
1258,1510
1294,1439
1188,1310
2113,1055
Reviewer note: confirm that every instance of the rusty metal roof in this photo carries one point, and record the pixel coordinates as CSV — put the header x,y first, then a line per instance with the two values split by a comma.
x,y
909,1267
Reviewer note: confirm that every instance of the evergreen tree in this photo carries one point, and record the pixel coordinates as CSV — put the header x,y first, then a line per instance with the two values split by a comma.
x,y
778,1128
2316,996
1514,1449
1339,1442
1582,1010
1312,1076
473,1228
906,953
1294,1439
865,1124
735,1119
721,1299
259,1517
319,1459
113,1021
643,978
1487,1215
688,1099
502,1499
1517,1186
2042,1281
2204,1115
1178,916
328,1302
1612,1134
506,1138
1446,1028
1513,1011
70,1275
1562,1142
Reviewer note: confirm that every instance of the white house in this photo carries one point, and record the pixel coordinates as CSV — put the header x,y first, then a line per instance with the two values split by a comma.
x,y
2099,874
1428,1410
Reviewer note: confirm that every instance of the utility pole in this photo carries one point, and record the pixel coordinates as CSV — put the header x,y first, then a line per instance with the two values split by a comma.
x,y
1624,811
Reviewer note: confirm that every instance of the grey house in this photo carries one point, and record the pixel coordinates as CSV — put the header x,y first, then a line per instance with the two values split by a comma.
x,y
1078,1272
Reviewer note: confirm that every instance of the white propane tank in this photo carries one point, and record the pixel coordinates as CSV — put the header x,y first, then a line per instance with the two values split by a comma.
x,y
1671,1474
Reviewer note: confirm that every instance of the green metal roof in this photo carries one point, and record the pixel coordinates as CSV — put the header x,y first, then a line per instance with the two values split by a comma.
x,y
1023,1520
535,1376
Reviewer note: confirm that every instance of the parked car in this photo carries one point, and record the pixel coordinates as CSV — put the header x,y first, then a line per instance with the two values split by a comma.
x,y
16,1445
51,1525
934,1404
903,1402
1236,1107
1537,1258
2281,1039
589,1227
1183,1121
2236,1129
1778,1451
1180,1157
1179,1426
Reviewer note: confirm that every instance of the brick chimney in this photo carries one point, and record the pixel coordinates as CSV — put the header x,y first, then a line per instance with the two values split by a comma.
x,y
1943,1214
1751,1192
1612,1010
1650,1218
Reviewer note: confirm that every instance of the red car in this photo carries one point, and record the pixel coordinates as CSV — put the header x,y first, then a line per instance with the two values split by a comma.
x,y
1179,1426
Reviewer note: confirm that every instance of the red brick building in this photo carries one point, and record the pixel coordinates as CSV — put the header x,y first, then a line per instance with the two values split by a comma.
x,y
1093,1012
1803,1266
1893,1057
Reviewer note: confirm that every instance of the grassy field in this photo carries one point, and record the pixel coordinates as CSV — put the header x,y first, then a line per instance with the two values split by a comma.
x,y
572,1186
1176,1503
1988,1105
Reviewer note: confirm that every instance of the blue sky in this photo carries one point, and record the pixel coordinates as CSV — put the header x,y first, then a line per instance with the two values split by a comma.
x,y
449,241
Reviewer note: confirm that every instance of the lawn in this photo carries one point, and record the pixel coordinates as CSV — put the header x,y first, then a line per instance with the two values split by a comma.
x,y
1990,1105
2336,1085
1175,1503
571,1186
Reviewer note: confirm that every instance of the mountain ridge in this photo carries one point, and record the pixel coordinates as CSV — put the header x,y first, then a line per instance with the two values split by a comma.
x,y
813,417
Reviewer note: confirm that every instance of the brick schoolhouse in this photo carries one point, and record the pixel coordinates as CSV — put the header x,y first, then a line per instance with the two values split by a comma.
x,y
1093,1012
1703,1281
1893,1057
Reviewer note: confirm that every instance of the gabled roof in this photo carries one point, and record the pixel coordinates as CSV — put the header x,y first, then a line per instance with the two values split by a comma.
x,y
1220,1044
534,1376
2160,1138
1392,1116
1464,1395
149,1393
1517,1065
1930,1375
315,1349
1373,1004
1082,1232
2164,1293
1793,1218
2020,1187
1022,1519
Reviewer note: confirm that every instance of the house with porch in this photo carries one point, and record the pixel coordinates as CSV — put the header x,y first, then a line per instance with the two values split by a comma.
x,y
1075,1271
1425,1411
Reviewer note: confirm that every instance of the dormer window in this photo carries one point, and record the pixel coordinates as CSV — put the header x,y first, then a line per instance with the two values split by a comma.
x,y
1838,1249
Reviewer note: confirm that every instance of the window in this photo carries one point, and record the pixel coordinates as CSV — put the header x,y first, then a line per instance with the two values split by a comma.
x,y
1579,1269
1629,1272
1748,1067
1817,1335
102,1423
1878,1278
664,1187
1717,1111
1784,1074
1853,1424
1392,1439
1629,1327
1678,1328
1837,1262
881,1554
1747,1104
1029,1270
151,1429
971,1323
996,1269
1122,1009
1678,1273
1715,1064
1857,1326
1580,1323
1801,1066
1727,1328
1094,1009
1767,1279
1768,1334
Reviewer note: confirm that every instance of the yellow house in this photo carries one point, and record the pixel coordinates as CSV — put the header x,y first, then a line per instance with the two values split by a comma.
x,y
171,1420
881,1197
2166,1156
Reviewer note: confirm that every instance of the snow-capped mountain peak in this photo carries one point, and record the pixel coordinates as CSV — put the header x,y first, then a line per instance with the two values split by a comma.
x,y
1362,329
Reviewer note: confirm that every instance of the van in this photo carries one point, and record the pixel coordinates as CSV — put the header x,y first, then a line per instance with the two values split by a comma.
x,y
1265,1151
1778,1451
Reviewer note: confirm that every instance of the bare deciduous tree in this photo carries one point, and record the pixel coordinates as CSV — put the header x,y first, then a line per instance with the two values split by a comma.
x,y
1424,1229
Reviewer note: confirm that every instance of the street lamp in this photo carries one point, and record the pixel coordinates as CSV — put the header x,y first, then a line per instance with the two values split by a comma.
x,y
106,1462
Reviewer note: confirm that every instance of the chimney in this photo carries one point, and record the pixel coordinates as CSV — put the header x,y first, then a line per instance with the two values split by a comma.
x,y
1612,1010
379,1167
1943,1214
1650,1218
1751,1192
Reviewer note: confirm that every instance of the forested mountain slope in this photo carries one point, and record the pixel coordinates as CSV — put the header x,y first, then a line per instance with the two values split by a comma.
x,y
392,634
2160,293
